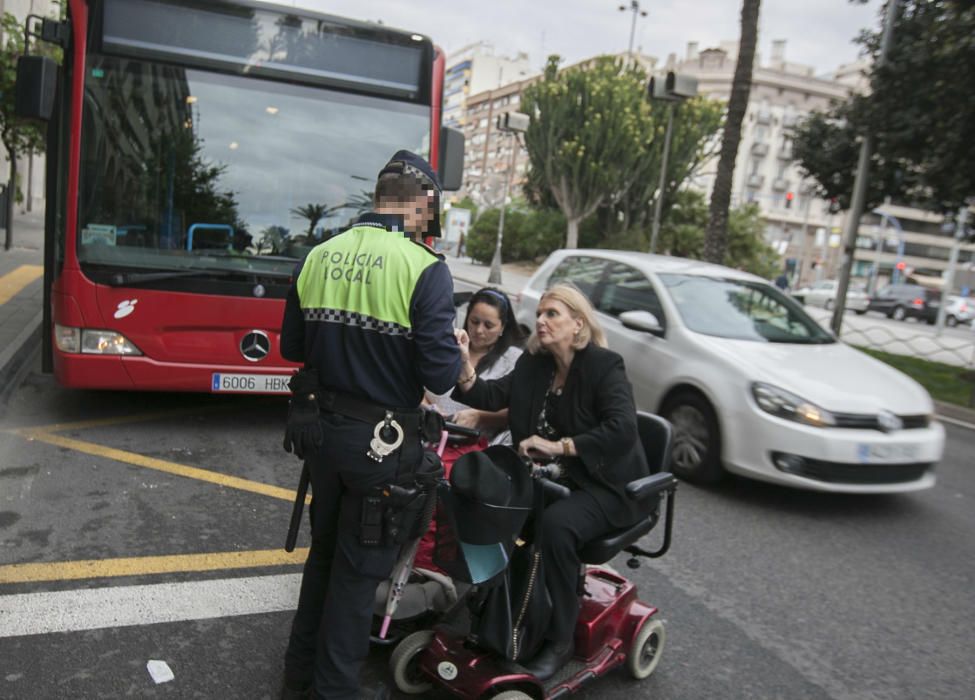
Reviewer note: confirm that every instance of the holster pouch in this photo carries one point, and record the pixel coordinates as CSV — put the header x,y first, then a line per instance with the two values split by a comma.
x,y
403,508
371,520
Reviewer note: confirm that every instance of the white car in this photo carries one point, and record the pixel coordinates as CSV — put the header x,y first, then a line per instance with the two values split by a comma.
x,y
959,311
750,382
824,294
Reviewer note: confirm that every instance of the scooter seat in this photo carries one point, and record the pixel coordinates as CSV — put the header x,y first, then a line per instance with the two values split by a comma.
x,y
600,551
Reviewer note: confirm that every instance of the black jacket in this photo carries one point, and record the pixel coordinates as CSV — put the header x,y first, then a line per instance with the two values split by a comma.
x,y
596,410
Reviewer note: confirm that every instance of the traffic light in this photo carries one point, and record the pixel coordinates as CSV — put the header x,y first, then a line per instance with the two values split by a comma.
x,y
834,206
789,196
901,265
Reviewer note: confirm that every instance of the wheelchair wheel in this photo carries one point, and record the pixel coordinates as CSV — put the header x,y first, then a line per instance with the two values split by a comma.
x,y
404,667
646,649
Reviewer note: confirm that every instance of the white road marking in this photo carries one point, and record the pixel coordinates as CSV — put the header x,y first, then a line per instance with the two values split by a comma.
x,y
125,606
955,421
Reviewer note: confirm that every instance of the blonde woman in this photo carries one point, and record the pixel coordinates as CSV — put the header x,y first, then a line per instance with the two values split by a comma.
x,y
569,400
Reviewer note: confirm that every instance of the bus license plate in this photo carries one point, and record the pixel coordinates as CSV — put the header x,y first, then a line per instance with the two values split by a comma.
x,y
250,383
879,453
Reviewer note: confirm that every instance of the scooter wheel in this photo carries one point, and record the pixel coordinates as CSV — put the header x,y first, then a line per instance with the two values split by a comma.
x,y
646,649
511,695
404,667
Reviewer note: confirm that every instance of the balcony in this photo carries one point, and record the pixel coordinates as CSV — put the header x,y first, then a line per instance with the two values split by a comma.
x,y
785,153
780,184
790,120
760,149
763,117
755,180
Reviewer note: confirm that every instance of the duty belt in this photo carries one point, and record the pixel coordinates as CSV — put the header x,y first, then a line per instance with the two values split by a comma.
x,y
367,411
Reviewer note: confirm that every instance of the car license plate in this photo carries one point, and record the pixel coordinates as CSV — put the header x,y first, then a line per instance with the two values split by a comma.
x,y
250,383
882,453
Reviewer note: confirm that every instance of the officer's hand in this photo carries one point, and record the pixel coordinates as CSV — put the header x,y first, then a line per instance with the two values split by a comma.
x,y
464,341
303,433
467,418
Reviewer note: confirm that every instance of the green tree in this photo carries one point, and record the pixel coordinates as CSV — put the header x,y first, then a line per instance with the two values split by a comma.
x,y
19,137
589,127
920,115
682,234
693,143
715,243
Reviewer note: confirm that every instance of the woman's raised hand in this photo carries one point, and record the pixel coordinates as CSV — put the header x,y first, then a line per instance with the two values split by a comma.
x,y
464,341
538,447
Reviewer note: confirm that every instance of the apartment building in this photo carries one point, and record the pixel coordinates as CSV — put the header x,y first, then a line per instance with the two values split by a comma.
x,y
488,152
474,69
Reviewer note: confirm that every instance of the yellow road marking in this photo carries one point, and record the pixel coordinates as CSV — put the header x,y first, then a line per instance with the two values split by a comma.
x,y
139,566
14,281
159,464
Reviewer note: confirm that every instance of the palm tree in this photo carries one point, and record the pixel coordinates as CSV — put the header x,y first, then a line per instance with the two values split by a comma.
x,y
314,213
716,240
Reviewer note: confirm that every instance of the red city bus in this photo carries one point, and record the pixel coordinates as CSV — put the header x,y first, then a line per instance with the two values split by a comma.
x,y
197,151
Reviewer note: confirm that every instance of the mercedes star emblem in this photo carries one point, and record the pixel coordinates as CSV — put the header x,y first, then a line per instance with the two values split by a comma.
x,y
255,346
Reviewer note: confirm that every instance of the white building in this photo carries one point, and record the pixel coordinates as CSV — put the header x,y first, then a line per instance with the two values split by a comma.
x,y
474,69
782,93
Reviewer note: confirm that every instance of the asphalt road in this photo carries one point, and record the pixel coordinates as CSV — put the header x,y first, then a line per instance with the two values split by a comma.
x,y
118,509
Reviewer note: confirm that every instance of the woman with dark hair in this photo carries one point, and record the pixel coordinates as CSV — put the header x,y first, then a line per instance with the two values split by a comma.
x,y
495,341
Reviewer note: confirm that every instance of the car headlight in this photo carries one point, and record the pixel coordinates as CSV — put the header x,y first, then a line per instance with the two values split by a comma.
x,y
92,342
785,404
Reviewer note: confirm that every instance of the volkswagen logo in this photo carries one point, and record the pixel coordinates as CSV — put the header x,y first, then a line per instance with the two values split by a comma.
x,y
888,422
255,346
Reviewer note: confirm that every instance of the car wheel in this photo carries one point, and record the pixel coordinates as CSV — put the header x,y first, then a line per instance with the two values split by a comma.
x,y
898,313
696,452
951,321
828,305
860,312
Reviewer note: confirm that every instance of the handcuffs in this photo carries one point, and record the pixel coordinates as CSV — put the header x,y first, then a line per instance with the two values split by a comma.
x,y
387,437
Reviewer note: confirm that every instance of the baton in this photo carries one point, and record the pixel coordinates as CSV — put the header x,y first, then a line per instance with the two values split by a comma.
x,y
293,527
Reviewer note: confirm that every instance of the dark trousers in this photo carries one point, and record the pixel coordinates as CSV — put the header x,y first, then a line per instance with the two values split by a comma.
x,y
330,632
566,526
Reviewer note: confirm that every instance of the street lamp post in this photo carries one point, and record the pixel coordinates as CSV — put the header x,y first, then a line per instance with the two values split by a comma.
x,y
671,88
634,7
511,123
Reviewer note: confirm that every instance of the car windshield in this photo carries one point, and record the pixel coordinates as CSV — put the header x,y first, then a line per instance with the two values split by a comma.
x,y
741,309
188,169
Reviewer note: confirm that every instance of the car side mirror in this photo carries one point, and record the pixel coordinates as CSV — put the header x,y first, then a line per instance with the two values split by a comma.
x,y
642,321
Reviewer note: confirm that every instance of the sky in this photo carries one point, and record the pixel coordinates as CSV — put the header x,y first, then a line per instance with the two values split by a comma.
x,y
818,32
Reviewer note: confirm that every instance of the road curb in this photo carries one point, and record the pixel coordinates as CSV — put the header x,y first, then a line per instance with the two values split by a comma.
x,y
955,412
17,356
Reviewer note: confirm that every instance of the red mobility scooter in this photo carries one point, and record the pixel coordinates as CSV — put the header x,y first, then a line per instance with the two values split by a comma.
x,y
615,628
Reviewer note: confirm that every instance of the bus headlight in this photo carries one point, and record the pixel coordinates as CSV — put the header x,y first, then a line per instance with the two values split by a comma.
x,y
89,341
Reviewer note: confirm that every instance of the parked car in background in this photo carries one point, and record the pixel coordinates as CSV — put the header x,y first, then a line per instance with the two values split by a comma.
x,y
751,383
900,301
959,310
823,294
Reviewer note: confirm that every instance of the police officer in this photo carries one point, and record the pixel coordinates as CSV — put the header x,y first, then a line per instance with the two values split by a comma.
x,y
371,317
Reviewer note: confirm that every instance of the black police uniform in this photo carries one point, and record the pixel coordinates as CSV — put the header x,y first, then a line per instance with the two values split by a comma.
x,y
371,311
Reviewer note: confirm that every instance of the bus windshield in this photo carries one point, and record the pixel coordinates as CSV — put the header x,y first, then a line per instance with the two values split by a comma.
x,y
190,169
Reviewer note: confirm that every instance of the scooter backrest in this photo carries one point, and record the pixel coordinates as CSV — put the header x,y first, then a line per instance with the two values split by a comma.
x,y
656,435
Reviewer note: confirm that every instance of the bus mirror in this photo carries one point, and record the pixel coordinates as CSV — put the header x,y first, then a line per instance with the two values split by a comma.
x,y
451,167
37,78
